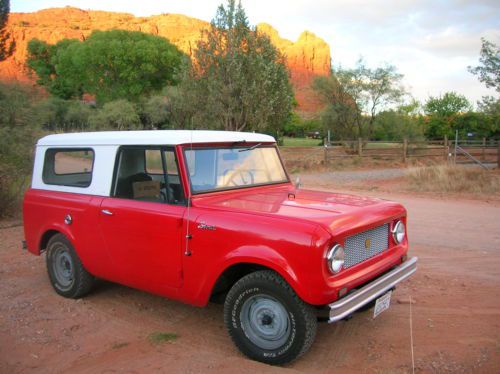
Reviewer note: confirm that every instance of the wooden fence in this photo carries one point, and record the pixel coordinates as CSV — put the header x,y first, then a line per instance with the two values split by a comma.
x,y
485,150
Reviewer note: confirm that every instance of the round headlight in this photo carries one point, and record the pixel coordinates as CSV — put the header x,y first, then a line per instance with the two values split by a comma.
x,y
398,232
335,258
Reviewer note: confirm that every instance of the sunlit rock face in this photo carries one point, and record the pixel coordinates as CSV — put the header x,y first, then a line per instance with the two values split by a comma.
x,y
306,58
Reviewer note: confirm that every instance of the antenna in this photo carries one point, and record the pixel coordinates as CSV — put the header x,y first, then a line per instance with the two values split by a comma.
x,y
187,251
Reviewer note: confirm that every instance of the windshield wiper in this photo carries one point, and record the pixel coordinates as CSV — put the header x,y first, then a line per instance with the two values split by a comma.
x,y
249,149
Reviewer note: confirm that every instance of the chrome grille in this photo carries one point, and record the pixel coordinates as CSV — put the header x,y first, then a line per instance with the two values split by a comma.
x,y
357,249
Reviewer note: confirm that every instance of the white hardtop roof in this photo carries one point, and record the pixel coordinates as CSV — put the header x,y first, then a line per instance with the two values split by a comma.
x,y
151,137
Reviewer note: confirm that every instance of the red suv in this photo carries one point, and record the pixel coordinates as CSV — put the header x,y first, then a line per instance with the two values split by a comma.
x,y
201,215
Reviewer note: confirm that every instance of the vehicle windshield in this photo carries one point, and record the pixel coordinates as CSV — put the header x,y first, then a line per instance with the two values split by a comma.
x,y
221,168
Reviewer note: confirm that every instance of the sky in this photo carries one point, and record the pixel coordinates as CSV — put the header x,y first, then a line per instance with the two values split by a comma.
x,y
431,42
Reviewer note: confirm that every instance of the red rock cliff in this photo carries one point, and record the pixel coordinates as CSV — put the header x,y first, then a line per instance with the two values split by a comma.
x,y
308,57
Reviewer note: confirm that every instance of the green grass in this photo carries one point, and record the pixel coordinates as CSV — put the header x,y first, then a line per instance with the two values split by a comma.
x,y
380,145
300,142
162,337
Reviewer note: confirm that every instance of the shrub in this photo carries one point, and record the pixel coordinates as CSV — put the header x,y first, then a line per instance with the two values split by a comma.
x,y
116,115
17,137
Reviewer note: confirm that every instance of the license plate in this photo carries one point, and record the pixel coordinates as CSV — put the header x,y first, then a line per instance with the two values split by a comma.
x,y
382,303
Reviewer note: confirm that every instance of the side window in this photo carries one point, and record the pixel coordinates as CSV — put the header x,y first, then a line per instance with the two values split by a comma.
x,y
68,167
140,175
175,192
153,161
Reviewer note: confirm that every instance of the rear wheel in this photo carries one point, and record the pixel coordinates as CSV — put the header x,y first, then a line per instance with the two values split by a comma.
x,y
66,272
266,319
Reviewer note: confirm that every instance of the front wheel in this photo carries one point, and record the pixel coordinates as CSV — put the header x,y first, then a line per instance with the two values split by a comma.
x,y
266,319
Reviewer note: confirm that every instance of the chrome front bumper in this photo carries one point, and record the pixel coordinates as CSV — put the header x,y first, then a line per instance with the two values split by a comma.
x,y
346,306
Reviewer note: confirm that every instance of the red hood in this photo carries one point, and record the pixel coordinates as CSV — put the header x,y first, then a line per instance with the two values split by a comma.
x,y
338,213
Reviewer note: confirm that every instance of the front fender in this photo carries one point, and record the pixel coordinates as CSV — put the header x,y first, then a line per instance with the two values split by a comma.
x,y
259,255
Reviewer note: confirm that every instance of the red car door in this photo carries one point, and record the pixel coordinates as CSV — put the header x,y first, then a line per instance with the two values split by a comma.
x,y
142,228
144,240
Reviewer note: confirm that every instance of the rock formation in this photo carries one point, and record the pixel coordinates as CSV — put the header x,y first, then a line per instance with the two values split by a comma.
x,y
308,57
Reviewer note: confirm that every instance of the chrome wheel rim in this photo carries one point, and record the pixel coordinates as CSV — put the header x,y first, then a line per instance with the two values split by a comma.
x,y
265,322
62,267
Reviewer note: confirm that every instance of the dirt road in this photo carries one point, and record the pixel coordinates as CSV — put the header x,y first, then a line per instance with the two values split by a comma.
x,y
456,317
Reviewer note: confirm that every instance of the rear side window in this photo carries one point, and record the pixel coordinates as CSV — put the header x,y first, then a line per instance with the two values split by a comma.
x,y
68,167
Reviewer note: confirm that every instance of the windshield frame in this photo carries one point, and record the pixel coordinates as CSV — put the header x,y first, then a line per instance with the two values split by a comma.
x,y
240,146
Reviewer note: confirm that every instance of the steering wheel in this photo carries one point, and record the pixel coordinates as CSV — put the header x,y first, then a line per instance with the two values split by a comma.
x,y
239,178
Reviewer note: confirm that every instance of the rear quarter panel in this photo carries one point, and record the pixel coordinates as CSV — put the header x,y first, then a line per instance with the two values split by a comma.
x,y
46,210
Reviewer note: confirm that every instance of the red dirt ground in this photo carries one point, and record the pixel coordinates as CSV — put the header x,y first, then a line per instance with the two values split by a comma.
x,y
456,315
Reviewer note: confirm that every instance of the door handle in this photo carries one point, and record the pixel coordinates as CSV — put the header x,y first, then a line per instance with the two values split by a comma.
x,y
107,212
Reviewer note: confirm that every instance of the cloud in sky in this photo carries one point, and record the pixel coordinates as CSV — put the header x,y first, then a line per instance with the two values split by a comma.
x,y
431,42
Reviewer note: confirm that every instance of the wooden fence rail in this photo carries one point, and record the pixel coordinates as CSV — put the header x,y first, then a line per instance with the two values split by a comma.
x,y
485,150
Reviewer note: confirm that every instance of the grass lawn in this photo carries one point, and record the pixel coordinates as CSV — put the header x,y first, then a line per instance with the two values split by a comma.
x,y
300,142
382,145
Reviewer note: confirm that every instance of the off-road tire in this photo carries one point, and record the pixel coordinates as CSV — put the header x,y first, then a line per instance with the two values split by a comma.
x,y
302,321
76,282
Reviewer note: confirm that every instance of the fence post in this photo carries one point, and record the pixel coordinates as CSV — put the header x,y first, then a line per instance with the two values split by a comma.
x,y
360,147
446,148
326,155
484,150
498,154
405,149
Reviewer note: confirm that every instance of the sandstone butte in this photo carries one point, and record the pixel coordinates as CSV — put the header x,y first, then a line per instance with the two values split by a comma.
x,y
306,58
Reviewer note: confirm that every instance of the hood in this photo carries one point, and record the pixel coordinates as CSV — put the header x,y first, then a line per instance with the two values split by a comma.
x,y
336,212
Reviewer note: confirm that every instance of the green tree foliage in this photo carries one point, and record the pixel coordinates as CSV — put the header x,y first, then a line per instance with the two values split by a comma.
x,y
116,115
354,98
111,65
6,47
479,124
155,112
180,106
341,114
404,122
490,106
18,133
447,105
488,72
441,113
239,80
298,127
46,61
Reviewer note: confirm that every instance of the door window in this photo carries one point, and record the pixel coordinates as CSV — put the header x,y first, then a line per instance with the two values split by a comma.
x,y
148,174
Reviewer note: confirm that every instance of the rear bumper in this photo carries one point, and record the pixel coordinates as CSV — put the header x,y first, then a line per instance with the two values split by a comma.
x,y
346,306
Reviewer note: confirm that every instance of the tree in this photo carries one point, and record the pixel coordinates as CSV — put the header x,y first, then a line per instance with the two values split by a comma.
x,y
442,112
45,60
111,65
382,88
155,112
490,107
116,115
447,105
341,114
404,122
18,134
488,71
354,97
6,47
239,79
